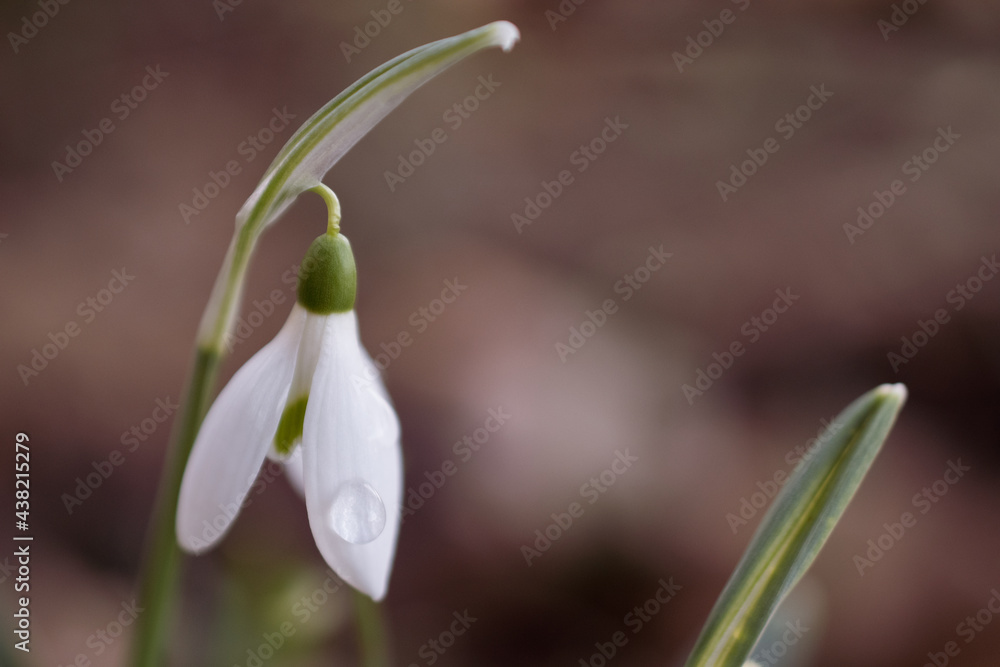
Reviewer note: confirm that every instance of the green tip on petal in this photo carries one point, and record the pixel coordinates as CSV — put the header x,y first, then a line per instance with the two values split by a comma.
x,y
328,280
289,431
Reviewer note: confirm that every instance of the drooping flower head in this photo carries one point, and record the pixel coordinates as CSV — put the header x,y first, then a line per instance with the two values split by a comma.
x,y
312,398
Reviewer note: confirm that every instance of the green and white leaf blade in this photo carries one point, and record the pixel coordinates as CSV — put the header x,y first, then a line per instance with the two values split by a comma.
x,y
796,527
329,133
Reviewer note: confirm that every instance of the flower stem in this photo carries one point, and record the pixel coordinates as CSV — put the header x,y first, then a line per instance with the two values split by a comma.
x,y
372,637
162,567
332,208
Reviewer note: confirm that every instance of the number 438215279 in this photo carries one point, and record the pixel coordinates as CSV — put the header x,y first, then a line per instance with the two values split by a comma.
x,y
21,477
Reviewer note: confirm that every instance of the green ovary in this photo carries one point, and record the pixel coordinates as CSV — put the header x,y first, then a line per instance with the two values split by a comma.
x,y
328,279
289,431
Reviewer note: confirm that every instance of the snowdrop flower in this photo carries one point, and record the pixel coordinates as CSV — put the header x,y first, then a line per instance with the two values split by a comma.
x,y
313,398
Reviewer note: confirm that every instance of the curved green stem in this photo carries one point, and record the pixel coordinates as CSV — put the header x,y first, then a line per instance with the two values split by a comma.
x,y
162,566
161,570
372,637
332,208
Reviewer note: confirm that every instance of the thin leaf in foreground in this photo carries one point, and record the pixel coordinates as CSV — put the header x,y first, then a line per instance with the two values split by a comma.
x,y
794,530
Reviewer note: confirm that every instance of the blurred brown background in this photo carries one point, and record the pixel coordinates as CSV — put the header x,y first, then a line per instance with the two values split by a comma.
x,y
62,236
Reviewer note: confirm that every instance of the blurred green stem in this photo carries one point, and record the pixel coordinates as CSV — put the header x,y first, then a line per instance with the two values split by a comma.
x,y
372,636
161,568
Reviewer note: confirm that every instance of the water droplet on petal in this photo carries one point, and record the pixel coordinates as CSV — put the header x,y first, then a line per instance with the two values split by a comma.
x,y
357,512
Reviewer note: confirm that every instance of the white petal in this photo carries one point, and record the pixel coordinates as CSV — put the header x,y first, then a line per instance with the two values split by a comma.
x,y
310,346
350,448
308,355
234,439
293,462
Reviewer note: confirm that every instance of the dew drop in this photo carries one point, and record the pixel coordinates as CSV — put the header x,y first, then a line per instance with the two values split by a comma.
x,y
357,513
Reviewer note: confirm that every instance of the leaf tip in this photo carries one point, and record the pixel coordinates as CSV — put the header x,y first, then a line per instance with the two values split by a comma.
x,y
895,391
505,34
